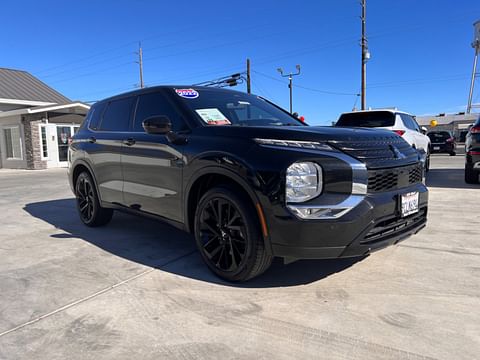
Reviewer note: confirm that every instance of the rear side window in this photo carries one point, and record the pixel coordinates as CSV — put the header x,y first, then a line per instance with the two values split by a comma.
x,y
117,115
409,122
94,115
156,104
367,119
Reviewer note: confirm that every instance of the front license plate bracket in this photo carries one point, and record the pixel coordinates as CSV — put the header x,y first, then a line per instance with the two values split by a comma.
x,y
409,203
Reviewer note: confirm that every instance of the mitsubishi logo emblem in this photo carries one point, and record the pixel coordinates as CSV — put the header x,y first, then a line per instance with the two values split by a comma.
x,y
396,153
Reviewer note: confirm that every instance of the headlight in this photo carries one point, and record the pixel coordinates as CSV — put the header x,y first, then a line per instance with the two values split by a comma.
x,y
315,145
304,181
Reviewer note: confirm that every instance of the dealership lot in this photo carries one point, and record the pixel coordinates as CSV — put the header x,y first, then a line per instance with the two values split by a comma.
x,y
137,288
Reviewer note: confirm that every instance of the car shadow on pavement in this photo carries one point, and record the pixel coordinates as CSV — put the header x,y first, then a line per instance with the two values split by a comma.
x,y
448,178
156,244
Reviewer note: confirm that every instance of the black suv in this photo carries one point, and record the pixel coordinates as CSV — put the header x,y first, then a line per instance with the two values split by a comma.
x,y
472,158
442,142
249,180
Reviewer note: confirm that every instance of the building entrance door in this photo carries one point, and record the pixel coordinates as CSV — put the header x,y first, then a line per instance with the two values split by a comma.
x,y
64,133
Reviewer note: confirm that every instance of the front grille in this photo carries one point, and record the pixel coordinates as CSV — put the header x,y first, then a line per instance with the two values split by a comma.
x,y
381,152
393,179
393,227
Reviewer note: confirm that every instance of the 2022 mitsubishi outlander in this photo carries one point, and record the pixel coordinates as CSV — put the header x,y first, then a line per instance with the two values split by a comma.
x,y
247,179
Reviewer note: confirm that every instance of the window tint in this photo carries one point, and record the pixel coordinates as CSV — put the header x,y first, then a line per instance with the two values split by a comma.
x,y
95,114
117,115
156,104
367,119
439,136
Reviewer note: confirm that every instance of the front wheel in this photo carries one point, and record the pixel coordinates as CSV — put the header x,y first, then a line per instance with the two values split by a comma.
x,y
228,236
88,203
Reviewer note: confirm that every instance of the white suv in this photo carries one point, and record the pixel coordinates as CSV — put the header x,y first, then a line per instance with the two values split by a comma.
x,y
400,122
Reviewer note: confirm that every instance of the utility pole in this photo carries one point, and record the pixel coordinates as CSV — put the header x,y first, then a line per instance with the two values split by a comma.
x,y
365,55
249,79
290,79
140,63
476,46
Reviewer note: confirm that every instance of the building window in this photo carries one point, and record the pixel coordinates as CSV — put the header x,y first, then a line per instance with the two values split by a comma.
x,y
13,142
43,134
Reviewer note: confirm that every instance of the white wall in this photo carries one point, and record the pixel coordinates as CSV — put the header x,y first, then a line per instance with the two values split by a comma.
x,y
12,163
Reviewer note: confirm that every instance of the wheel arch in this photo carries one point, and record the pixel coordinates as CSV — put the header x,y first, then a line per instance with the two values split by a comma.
x,y
77,168
212,176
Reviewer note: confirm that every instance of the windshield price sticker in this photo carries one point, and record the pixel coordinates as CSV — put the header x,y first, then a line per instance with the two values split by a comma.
x,y
187,93
213,116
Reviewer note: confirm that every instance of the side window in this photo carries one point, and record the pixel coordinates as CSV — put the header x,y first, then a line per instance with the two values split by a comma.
x,y
117,115
94,115
409,122
156,103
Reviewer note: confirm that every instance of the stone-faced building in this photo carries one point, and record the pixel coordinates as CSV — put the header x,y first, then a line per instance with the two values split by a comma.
x,y
36,122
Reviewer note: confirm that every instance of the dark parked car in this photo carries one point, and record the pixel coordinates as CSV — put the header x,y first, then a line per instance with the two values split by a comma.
x,y
472,157
249,180
442,142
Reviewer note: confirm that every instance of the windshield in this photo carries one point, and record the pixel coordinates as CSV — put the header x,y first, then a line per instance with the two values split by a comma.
x,y
367,119
214,107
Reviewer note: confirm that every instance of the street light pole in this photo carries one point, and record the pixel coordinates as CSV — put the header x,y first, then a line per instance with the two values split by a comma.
x,y
290,83
365,55
476,46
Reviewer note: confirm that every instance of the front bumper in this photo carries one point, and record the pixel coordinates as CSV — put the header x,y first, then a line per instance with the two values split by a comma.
x,y
371,225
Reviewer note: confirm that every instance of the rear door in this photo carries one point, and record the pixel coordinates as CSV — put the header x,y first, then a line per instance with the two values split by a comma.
x,y
109,125
152,166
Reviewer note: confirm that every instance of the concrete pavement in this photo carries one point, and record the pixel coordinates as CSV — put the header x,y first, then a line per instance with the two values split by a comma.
x,y
138,289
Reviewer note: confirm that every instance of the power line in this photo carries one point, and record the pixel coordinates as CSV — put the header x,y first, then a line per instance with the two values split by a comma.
x,y
305,87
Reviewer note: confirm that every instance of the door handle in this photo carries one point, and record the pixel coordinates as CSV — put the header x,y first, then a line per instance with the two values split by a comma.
x,y
92,140
129,142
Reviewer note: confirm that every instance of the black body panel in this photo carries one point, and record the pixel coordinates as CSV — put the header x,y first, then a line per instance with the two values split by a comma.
x,y
161,174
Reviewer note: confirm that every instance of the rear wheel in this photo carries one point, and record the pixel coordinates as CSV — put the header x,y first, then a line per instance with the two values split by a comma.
x,y
228,236
471,176
88,203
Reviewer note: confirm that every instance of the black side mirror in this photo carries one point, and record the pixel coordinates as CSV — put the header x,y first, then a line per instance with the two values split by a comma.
x,y
157,125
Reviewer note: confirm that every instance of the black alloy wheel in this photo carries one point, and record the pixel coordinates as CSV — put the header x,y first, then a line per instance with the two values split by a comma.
x,y
223,232
88,204
228,236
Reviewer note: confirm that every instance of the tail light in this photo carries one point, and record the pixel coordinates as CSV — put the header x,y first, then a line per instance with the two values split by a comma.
x,y
475,130
450,140
473,153
399,132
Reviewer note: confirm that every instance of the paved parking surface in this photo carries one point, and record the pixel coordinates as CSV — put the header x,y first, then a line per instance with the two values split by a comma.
x,y
137,288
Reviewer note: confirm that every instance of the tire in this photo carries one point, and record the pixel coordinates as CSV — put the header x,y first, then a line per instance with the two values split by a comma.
x,y
453,153
88,203
227,234
471,176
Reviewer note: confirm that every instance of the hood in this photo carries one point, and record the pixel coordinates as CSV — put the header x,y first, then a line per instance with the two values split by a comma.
x,y
376,148
305,133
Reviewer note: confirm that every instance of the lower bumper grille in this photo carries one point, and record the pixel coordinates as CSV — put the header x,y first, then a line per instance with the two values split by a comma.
x,y
394,227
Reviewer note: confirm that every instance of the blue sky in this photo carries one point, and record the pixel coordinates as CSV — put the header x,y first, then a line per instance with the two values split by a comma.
x,y
421,54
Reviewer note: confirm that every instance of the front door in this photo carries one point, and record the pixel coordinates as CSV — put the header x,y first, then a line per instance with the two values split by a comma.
x,y
152,166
